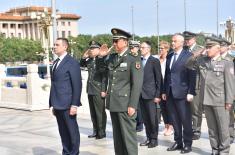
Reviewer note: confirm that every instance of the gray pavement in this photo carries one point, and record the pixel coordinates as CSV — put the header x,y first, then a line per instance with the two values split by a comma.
x,y
35,133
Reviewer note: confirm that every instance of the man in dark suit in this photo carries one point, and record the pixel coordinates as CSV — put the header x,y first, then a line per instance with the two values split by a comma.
x,y
179,88
66,87
150,94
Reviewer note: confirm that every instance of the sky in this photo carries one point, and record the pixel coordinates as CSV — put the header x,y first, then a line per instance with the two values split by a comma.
x,y
100,16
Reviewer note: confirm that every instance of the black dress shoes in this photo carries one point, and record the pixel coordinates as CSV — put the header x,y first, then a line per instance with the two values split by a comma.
x,y
92,135
145,143
186,149
100,136
152,143
175,146
195,137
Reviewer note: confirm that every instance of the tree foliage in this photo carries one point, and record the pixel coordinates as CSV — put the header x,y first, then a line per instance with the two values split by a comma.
x,y
15,49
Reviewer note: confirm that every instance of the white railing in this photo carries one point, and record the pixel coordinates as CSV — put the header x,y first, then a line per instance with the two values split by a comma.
x,y
32,92
27,93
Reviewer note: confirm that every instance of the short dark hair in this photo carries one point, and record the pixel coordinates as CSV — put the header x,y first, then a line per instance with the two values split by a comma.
x,y
148,43
64,41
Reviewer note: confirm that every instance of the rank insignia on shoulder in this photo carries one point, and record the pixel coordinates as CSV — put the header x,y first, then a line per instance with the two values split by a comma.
x,y
137,65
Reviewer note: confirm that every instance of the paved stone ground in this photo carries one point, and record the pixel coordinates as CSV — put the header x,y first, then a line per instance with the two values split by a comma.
x,y
35,133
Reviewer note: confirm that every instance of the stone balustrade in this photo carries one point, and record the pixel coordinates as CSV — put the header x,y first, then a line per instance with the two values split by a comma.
x,y
31,92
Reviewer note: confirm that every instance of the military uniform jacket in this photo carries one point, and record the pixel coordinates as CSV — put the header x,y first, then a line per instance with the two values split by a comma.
x,y
217,80
125,76
97,75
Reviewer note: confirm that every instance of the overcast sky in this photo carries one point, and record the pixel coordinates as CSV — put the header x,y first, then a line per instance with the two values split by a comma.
x,y
99,16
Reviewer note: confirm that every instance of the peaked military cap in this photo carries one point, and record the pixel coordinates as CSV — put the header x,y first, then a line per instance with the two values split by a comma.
x,y
224,42
118,34
188,35
94,44
133,43
212,41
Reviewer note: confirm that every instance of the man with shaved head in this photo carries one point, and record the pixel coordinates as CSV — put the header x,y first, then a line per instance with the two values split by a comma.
x,y
178,91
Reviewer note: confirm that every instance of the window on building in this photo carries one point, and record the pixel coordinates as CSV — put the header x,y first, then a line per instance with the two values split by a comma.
x,y
58,34
63,34
19,35
12,35
69,33
63,23
4,25
57,23
20,26
69,23
13,26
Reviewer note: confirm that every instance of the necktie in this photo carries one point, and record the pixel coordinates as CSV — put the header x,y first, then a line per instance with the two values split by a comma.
x,y
55,65
174,59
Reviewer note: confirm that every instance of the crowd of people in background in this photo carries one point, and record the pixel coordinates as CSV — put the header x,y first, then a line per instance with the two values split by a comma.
x,y
140,89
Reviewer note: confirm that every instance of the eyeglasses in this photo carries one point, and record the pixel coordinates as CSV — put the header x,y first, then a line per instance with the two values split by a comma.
x,y
161,48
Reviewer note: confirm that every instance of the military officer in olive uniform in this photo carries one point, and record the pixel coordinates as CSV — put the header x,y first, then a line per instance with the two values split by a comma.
x,y
135,50
96,88
226,56
196,106
216,92
125,78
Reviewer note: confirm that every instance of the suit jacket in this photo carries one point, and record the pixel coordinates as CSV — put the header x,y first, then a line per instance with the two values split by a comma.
x,y
179,79
66,84
152,79
125,78
97,75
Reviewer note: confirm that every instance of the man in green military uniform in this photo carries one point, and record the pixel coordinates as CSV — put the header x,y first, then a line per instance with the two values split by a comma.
x,y
96,88
135,50
216,92
196,106
125,78
224,51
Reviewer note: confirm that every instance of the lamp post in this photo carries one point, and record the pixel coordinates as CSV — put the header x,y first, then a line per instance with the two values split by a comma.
x,y
217,17
158,27
45,27
132,22
185,16
54,22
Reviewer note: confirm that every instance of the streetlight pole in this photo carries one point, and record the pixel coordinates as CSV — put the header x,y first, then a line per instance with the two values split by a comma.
x,y
132,22
217,17
157,27
185,16
54,24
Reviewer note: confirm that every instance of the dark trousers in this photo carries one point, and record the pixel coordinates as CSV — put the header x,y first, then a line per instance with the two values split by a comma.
x,y
165,112
139,119
181,117
98,114
69,132
124,133
149,113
